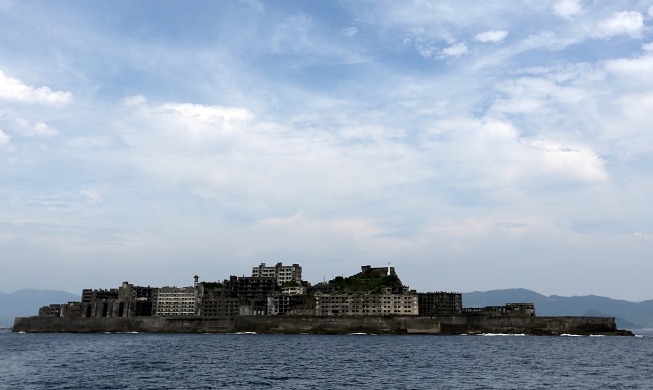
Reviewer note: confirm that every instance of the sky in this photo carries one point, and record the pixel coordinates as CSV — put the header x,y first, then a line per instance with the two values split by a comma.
x,y
473,145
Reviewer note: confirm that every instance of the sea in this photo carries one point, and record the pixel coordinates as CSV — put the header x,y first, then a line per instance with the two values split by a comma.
x,y
356,361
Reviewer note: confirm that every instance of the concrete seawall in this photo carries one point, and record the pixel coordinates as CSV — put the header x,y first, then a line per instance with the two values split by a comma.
x,y
455,324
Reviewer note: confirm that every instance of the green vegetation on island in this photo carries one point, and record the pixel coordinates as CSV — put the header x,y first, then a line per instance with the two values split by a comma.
x,y
364,283
212,285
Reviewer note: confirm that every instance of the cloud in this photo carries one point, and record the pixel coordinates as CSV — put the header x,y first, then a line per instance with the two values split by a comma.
x,y
198,116
295,150
94,196
14,90
455,50
132,101
567,8
622,23
4,138
497,151
255,4
350,31
38,130
631,66
425,49
491,36
536,94
650,12
639,67
646,236
573,160
512,225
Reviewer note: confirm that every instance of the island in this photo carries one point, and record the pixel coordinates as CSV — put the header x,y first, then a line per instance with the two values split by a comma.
x,y
275,299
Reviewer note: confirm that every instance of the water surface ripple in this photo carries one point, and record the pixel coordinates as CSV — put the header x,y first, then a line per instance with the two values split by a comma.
x,y
203,361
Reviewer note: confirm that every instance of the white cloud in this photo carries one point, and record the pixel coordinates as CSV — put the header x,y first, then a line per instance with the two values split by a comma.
x,y
575,160
350,31
567,8
198,116
455,50
425,49
642,66
497,151
650,12
14,90
534,94
94,196
622,23
132,101
647,236
492,36
38,130
4,138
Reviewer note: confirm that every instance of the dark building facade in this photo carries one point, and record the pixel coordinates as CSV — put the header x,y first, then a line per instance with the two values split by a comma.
x,y
511,309
291,304
253,293
218,302
440,303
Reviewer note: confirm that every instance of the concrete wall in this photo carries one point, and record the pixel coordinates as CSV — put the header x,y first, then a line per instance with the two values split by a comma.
x,y
454,324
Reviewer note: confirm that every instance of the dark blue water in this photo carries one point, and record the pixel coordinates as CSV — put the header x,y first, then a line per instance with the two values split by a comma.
x,y
199,361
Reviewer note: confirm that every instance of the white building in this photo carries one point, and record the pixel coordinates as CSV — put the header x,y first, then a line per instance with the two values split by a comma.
x,y
283,273
293,291
175,301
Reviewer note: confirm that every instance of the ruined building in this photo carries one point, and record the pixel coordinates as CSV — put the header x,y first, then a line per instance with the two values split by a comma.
x,y
282,273
385,303
440,303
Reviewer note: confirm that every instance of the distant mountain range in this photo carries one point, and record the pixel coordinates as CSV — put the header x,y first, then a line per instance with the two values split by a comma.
x,y
26,303
628,315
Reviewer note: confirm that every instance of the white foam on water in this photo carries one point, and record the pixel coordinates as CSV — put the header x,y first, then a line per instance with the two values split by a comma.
x,y
571,335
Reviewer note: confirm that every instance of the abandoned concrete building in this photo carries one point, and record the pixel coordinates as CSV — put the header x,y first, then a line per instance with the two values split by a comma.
x,y
175,301
217,301
53,310
253,292
512,309
387,303
288,304
282,273
440,303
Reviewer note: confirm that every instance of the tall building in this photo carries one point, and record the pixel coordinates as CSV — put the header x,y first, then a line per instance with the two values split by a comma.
x,y
216,300
175,301
101,303
440,303
253,293
283,273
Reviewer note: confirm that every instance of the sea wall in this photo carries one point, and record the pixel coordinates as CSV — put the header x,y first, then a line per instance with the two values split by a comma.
x,y
454,324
